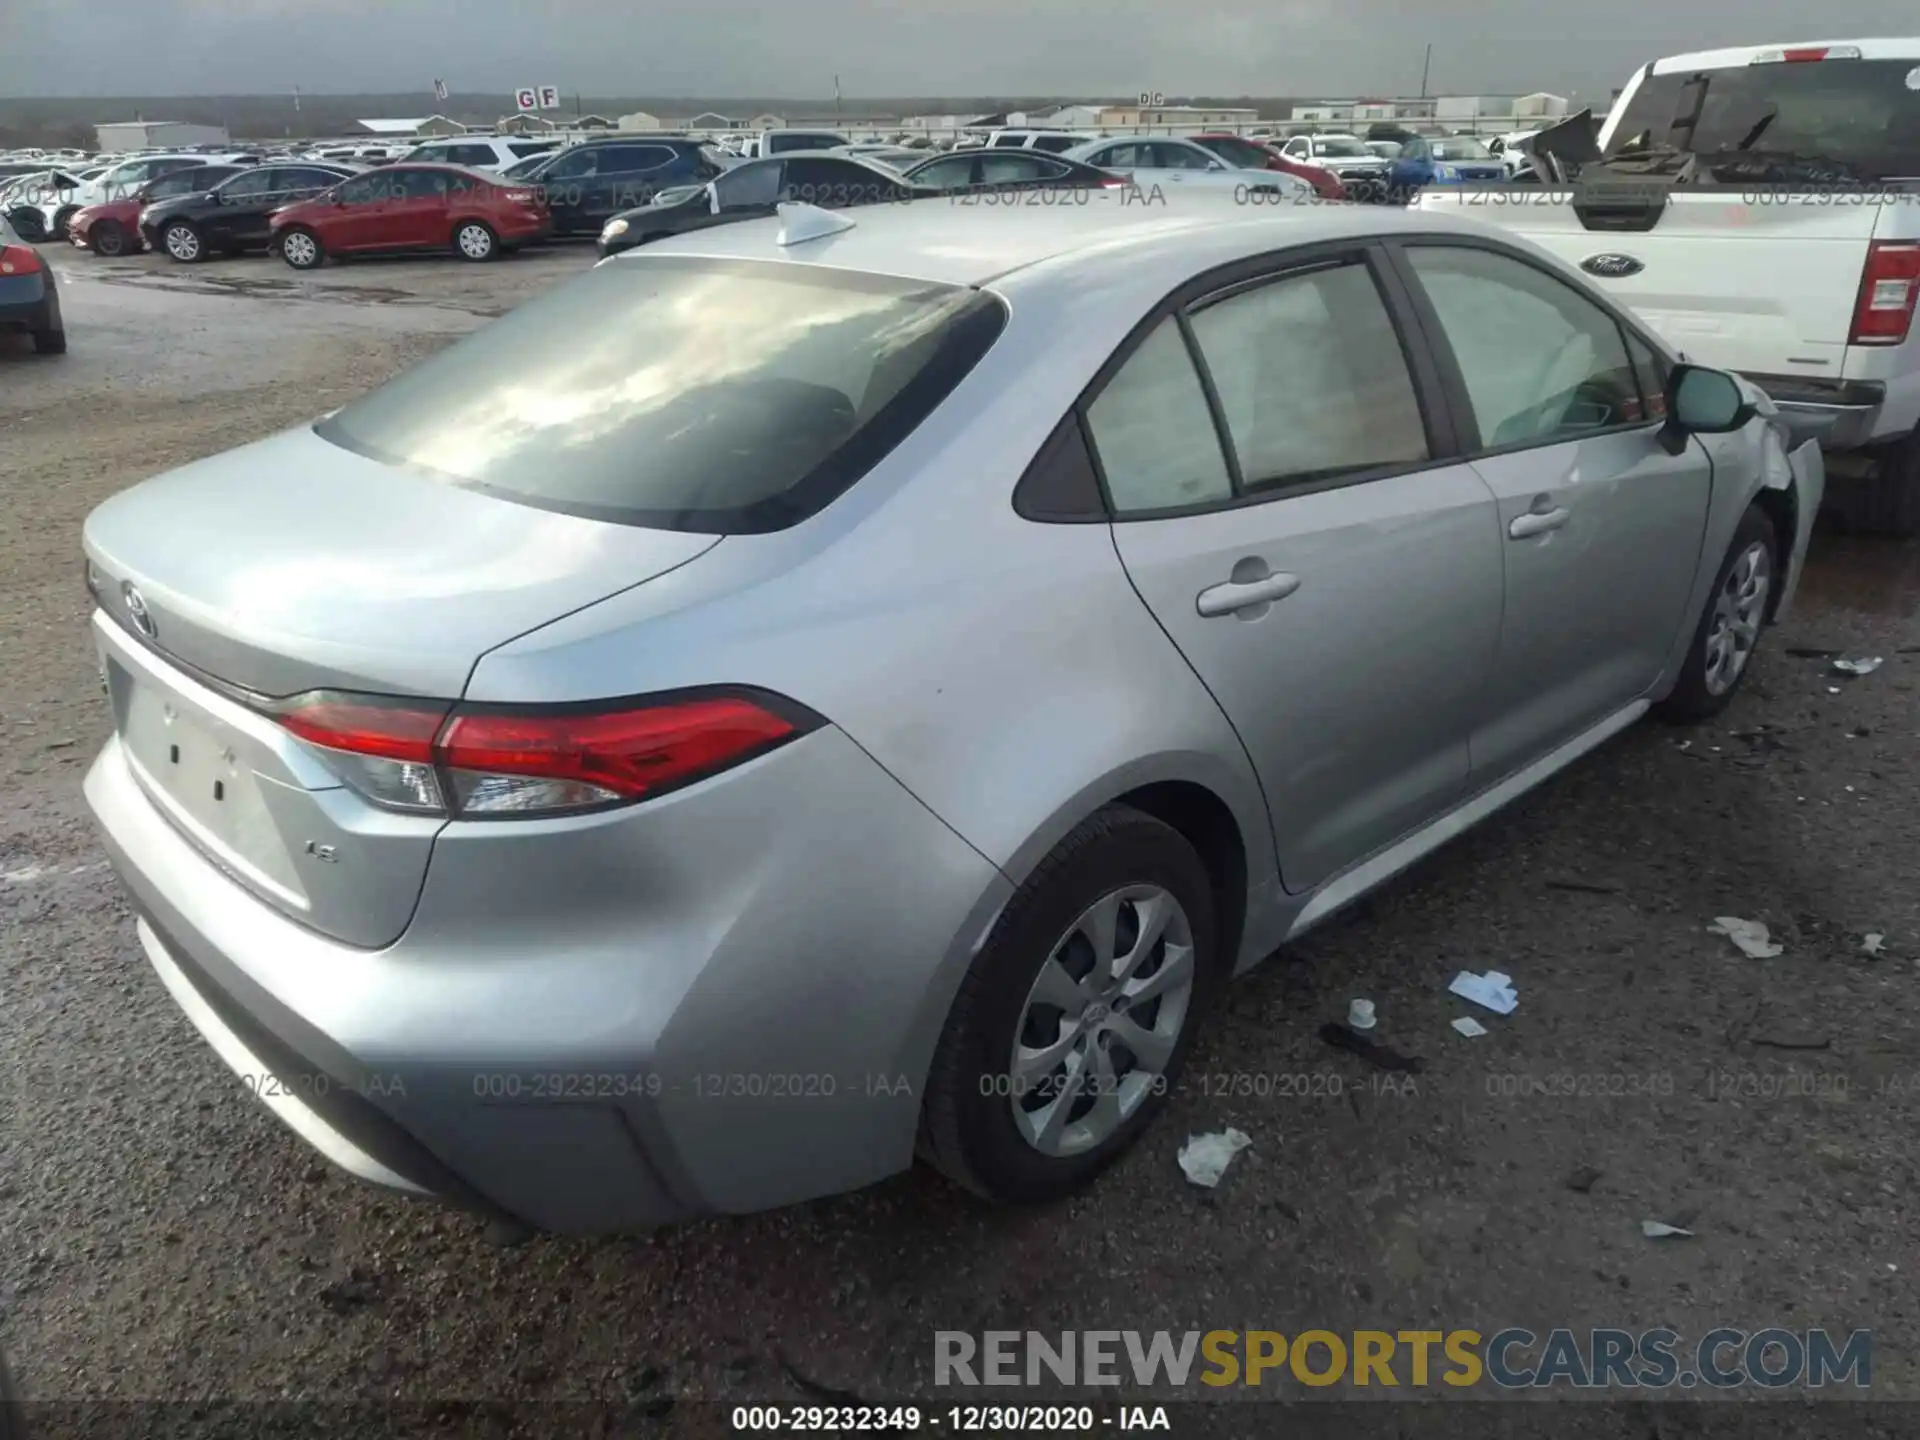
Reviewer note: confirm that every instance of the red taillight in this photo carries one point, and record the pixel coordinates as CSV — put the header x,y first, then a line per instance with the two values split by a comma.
x,y
1888,287
521,197
19,260
524,760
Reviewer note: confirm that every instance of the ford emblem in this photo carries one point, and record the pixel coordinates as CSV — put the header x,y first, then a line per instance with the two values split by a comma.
x,y
1611,266
137,608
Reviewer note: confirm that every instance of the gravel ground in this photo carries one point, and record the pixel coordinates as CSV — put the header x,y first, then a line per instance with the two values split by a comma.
x,y
162,1238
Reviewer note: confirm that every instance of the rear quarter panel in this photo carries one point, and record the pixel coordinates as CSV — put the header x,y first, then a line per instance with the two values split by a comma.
x,y
1003,670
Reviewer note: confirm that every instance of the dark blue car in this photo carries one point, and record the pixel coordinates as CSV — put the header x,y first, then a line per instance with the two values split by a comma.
x,y
29,300
1448,160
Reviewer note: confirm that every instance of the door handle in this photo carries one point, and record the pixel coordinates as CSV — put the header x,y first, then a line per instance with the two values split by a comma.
x,y
1225,599
1538,522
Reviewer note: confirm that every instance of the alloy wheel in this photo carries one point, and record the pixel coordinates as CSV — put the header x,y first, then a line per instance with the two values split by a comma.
x,y
1739,610
475,242
183,243
1102,1020
299,249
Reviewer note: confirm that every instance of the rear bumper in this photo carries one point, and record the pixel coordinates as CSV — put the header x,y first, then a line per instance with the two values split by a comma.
x,y
720,1002
28,302
1840,414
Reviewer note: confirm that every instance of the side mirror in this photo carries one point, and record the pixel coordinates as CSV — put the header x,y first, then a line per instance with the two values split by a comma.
x,y
1701,401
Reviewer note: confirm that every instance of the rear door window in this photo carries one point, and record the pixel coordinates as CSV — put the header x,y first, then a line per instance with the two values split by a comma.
x,y
1312,381
681,393
1841,119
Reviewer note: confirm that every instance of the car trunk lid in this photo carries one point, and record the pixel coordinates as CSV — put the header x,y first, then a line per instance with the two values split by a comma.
x,y
331,571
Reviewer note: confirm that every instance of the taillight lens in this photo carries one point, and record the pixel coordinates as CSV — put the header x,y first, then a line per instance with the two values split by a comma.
x,y
480,761
521,197
19,260
1889,285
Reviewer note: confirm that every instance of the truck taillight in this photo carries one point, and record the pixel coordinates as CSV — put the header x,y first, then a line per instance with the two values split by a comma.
x,y
1806,54
1889,285
492,761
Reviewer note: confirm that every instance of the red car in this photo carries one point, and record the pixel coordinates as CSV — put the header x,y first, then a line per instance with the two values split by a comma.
x,y
411,207
1252,155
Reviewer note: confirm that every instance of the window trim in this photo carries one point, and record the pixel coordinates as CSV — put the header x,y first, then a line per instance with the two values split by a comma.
x,y
1443,445
1453,379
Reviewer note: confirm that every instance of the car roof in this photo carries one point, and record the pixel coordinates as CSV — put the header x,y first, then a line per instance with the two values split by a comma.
x,y
1878,48
1127,232
441,165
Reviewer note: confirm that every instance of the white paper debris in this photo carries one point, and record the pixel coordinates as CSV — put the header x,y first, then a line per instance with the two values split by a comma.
x,y
1493,990
1204,1158
1658,1230
1873,943
1469,1026
1865,665
1749,935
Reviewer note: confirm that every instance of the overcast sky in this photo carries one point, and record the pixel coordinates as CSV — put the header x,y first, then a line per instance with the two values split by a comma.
x,y
881,47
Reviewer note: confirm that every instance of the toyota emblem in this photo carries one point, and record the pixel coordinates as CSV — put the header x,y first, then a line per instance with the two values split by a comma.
x,y
137,608
1611,266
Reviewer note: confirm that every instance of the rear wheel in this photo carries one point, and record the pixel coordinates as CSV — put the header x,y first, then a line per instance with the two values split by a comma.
x,y
301,248
108,238
475,240
182,241
60,219
1729,631
1072,1024
1889,499
50,342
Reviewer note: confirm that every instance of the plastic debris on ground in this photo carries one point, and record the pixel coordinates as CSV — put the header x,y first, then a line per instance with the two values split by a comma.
x,y
1492,990
1204,1158
1469,1027
1360,1015
1749,935
1659,1230
1863,665
1873,944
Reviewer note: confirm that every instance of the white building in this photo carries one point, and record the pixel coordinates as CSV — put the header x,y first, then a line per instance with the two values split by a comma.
x,y
1056,117
123,135
421,127
639,120
1175,117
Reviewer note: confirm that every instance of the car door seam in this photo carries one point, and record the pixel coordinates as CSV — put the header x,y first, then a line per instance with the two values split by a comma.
x,y
1266,805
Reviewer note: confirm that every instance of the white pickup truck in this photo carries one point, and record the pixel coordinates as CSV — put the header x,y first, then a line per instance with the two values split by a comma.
x,y
1760,208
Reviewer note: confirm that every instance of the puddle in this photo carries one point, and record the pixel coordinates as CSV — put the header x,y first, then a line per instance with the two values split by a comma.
x,y
253,288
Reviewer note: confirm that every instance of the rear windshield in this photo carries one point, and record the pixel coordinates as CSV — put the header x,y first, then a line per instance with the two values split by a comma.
x,y
1861,117
681,393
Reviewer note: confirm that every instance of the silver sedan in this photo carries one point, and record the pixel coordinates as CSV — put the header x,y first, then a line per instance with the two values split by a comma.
x,y
839,687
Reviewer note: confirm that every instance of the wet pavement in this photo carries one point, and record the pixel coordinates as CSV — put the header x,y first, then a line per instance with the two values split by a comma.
x,y
163,1237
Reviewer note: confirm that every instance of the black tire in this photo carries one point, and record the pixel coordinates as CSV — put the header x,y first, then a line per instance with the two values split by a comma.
x,y
187,237
1692,699
967,1124
50,342
12,1425
60,219
467,232
29,223
108,239
1888,501
318,254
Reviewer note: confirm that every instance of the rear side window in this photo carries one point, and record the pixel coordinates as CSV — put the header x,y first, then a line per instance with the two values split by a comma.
x,y
1054,144
680,393
1154,432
